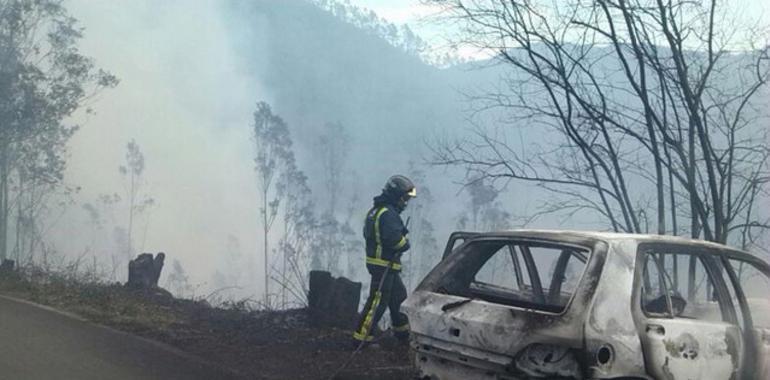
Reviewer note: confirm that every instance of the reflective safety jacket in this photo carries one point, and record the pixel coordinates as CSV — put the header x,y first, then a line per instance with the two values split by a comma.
x,y
385,236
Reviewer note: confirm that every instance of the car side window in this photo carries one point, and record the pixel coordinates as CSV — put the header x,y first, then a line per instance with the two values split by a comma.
x,y
528,275
679,285
756,288
653,297
500,271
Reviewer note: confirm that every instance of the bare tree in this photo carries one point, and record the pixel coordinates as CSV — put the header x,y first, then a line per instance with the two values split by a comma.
x,y
177,281
336,237
299,233
425,252
38,207
107,238
271,140
333,149
138,201
646,107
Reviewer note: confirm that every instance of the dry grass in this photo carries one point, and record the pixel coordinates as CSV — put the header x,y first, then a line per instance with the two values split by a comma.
x,y
257,344
101,302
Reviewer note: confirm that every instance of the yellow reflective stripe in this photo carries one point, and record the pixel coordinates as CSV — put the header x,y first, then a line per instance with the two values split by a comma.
x,y
359,336
363,332
401,243
404,327
382,263
377,238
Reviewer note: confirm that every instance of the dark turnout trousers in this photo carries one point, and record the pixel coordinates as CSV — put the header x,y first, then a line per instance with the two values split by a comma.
x,y
392,295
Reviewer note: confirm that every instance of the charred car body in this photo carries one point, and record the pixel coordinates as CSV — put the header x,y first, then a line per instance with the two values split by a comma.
x,y
556,304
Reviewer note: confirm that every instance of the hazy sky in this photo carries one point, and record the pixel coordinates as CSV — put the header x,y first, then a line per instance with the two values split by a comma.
x,y
415,14
408,11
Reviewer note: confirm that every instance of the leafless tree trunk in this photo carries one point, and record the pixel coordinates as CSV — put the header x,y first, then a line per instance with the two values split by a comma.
x,y
4,212
649,98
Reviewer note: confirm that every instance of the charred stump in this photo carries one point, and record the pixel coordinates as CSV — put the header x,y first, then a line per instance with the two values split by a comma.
x,y
333,302
144,271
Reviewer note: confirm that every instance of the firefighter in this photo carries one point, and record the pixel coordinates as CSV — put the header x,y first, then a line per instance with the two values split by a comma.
x,y
386,239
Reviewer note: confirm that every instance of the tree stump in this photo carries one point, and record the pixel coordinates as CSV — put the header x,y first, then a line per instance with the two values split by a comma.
x,y
333,302
144,271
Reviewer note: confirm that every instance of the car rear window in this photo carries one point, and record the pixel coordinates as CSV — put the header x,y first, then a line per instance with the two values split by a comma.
x,y
533,275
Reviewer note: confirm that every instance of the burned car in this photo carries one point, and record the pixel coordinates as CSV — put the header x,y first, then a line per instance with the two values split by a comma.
x,y
531,304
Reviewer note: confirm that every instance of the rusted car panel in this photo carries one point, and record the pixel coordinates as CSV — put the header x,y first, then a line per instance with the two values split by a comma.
x,y
612,322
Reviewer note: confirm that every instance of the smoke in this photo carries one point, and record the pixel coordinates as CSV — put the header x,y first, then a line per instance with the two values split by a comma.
x,y
186,99
191,74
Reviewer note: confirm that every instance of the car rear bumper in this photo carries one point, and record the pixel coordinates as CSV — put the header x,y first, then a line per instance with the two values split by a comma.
x,y
436,359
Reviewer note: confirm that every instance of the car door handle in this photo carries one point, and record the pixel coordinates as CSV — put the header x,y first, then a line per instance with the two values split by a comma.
x,y
655,329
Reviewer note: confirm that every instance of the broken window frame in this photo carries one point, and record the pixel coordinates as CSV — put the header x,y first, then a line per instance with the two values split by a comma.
x,y
752,334
583,253
712,265
516,267
737,285
647,284
456,240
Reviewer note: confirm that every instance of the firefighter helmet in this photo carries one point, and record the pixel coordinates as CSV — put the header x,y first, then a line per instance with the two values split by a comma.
x,y
399,186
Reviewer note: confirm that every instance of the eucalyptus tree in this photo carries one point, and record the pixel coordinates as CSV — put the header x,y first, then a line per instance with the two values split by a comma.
x,y
272,144
44,79
337,241
283,191
138,201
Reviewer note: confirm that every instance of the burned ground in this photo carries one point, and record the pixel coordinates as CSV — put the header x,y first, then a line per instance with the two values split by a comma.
x,y
255,344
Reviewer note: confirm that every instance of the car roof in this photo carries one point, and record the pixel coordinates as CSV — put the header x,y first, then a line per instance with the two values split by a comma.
x,y
579,235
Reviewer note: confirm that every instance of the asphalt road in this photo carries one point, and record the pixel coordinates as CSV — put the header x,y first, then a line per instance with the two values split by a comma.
x,y
40,343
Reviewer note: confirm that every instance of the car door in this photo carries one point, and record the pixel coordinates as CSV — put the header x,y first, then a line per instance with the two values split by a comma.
x,y
685,317
752,288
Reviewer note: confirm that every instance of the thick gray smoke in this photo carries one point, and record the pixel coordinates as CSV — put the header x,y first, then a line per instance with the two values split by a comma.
x,y
191,74
186,100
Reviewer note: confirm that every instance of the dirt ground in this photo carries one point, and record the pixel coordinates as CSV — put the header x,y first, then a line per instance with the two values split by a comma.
x,y
254,344
282,345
